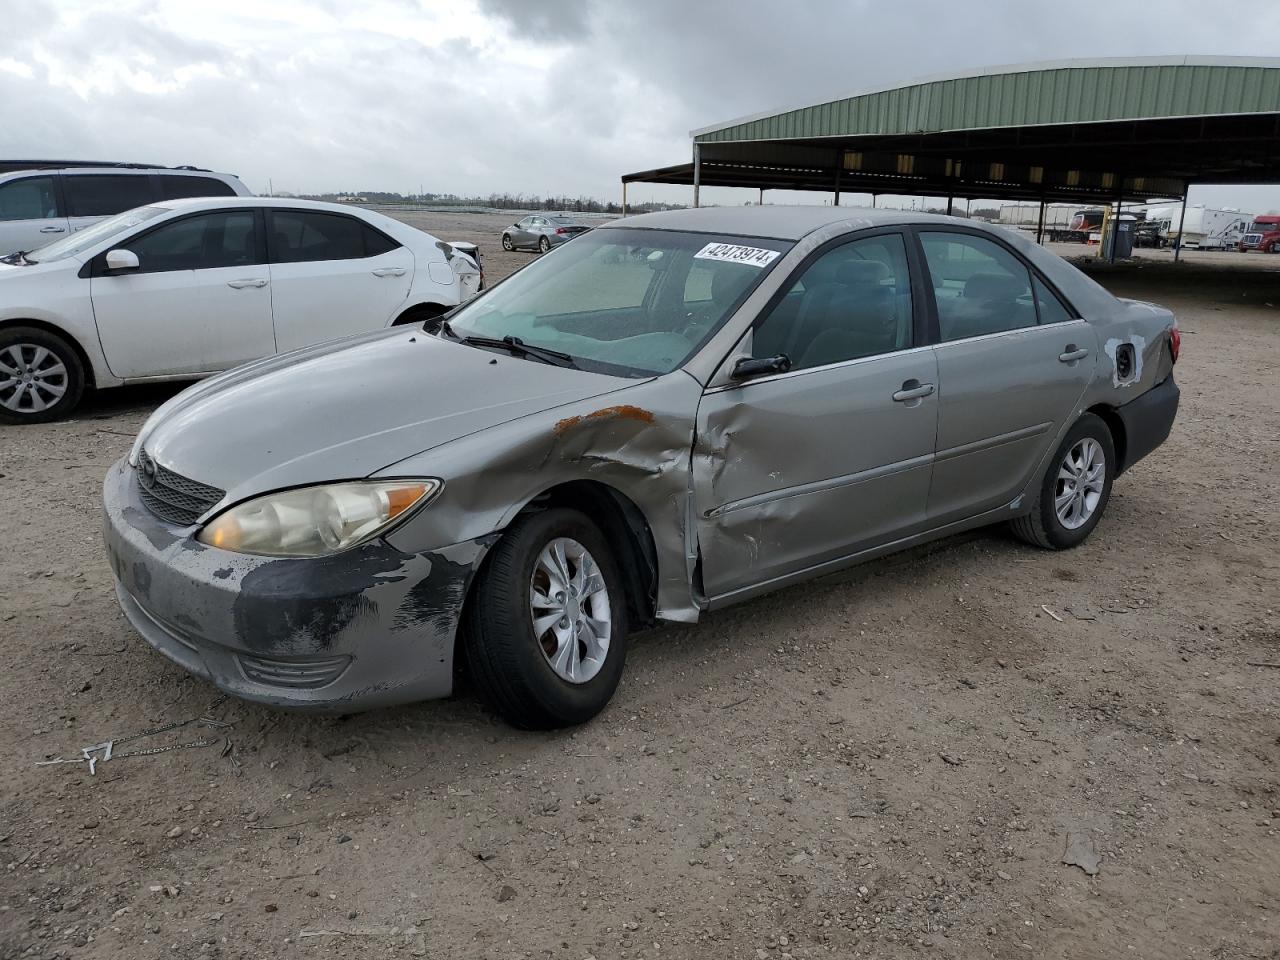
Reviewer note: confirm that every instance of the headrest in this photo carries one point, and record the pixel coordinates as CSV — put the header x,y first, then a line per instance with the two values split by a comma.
x,y
862,272
994,286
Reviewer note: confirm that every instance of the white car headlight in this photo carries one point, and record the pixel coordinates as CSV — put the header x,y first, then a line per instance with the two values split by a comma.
x,y
316,521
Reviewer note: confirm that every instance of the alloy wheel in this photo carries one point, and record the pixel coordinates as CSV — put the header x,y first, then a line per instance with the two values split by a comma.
x,y
1082,476
569,609
32,378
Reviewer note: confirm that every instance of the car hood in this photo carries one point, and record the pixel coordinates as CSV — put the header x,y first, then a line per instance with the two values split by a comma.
x,y
345,409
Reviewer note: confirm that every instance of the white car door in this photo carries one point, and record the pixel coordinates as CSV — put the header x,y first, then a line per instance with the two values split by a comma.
x,y
29,214
332,276
199,301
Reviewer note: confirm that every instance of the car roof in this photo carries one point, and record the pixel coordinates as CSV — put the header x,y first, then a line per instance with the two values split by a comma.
x,y
76,169
188,203
776,222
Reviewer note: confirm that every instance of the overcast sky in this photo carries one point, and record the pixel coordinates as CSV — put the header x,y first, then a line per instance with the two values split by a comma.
x,y
533,96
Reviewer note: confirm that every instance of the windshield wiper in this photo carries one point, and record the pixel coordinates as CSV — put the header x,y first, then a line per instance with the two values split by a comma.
x,y
521,349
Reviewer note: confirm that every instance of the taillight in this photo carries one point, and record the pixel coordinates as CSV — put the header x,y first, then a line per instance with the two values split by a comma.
x,y
1175,341
559,230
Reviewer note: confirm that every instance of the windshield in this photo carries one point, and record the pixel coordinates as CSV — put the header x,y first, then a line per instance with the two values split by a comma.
x,y
1259,227
624,301
84,239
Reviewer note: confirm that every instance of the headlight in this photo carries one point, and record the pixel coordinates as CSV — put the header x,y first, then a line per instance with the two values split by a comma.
x,y
315,521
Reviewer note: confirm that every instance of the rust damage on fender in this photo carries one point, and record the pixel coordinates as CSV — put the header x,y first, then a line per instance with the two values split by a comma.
x,y
623,411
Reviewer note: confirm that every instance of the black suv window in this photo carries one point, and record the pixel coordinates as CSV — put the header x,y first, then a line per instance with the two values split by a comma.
x,y
32,198
201,242
105,195
175,187
303,236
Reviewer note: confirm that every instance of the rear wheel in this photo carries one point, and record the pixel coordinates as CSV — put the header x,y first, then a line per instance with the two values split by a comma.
x,y
506,242
41,377
544,244
1075,488
546,629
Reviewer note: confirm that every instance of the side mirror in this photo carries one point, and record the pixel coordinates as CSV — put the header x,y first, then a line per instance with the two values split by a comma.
x,y
122,260
749,367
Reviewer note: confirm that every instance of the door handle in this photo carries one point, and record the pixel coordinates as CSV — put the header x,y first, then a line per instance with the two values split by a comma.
x,y
389,272
53,229
913,390
241,284
1073,354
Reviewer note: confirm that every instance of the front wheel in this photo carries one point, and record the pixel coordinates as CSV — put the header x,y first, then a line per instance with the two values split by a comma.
x,y
506,243
546,628
1075,488
41,377
544,244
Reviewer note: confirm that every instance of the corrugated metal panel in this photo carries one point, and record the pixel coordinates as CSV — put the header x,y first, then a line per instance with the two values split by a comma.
x,y
1058,95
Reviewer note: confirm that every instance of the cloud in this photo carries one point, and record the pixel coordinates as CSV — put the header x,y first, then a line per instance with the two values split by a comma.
x,y
473,96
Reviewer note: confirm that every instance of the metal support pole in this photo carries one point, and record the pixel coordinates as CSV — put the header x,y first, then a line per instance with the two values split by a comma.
x,y
624,198
762,196
1040,227
697,173
873,201
836,202
950,200
1115,233
1182,222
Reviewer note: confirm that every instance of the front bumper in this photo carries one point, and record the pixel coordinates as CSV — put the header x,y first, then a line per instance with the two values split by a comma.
x,y
368,627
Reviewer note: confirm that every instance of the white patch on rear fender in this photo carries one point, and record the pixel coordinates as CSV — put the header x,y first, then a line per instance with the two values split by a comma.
x,y
1135,375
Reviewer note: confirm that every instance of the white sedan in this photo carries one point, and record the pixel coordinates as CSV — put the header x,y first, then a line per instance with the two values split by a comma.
x,y
185,288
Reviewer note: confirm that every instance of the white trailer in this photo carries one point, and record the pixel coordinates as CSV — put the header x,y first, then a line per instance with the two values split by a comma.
x,y
1206,228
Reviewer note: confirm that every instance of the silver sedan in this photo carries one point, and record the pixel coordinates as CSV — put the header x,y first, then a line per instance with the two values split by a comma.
x,y
541,232
678,412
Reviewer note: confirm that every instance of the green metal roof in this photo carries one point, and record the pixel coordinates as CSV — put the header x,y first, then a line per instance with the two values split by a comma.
x,y
1063,92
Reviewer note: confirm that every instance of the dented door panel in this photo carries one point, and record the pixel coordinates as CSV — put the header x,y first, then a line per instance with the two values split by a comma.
x,y
796,470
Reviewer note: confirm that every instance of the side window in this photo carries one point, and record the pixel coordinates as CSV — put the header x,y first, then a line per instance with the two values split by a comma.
x,y
853,301
32,198
377,243
980,287
1050,307
175,187
198,243
104,195
301,236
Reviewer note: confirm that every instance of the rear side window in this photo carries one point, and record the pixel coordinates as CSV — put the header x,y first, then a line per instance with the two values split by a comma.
x,y
304,237
104,195
173,187
1050,307
201,242
980,287
33,198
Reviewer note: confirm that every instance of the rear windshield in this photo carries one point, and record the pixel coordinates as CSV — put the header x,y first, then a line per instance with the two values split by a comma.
x,y
623,301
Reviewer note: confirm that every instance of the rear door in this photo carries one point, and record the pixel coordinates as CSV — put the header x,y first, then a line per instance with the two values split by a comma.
x,y
93,196
1013,361
806,467
333,275
30,213
199,302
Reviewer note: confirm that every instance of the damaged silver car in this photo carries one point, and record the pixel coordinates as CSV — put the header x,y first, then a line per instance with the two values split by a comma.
x,y
673,413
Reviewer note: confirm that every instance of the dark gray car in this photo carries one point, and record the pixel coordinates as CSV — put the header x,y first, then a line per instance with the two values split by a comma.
x,y
677,412
541,232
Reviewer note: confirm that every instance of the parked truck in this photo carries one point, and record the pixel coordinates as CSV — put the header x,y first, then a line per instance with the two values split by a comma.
x,y
1263,234
1205,228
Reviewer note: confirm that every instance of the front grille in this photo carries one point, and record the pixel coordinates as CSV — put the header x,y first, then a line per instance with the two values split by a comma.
x,y
172,497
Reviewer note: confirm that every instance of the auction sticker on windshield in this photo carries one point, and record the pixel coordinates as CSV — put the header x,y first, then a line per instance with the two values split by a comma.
x,y
752,256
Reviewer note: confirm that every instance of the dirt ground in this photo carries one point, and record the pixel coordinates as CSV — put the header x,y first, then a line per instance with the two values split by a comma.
x,y
890,762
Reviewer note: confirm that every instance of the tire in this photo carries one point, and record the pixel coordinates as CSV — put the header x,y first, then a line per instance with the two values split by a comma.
x,y
506,243
544,244
1043,526
56,376
510,666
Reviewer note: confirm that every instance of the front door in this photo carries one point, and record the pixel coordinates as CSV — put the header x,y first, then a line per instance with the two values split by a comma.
x,y
796,469
1013,362
199,302
333,276
30,215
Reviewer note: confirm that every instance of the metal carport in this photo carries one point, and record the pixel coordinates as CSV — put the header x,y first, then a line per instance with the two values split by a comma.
x,y
1087,131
